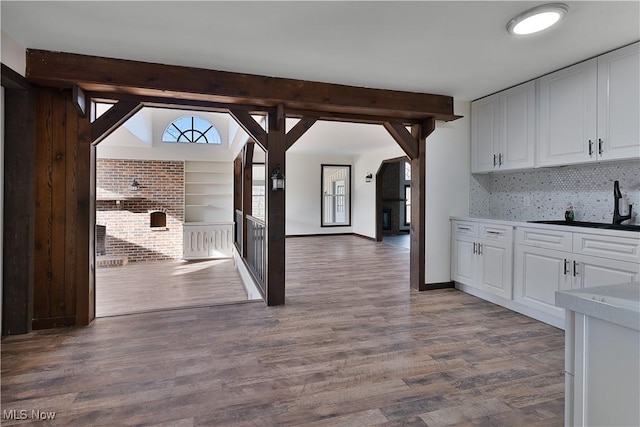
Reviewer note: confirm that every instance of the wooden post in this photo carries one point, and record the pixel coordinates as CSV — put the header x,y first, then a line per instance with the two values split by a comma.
x,y
418,196
275,215
19,204
247,190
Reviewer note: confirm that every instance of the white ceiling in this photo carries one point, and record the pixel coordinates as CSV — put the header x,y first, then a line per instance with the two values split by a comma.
x,y
451,48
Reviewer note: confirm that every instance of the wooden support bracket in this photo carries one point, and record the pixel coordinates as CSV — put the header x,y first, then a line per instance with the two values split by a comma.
x,y
112,119
406,141
299,129
250,126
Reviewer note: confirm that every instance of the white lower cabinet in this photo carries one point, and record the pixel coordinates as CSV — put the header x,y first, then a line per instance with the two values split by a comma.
x,y
521,267
207,240
539,271
482,257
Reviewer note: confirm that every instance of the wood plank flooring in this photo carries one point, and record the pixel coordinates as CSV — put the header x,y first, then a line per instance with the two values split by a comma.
x,y
351,347
155,285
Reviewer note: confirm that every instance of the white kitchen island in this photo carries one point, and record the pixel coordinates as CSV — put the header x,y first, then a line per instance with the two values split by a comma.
x,y
602,355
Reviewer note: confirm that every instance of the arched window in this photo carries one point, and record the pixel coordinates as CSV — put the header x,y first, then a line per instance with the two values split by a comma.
x,y
193,130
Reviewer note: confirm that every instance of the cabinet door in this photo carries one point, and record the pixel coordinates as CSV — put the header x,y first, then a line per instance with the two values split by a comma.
x,y
567,121
517,127
484,133
463,262
496,268
594,271
539,273
196,242
619,104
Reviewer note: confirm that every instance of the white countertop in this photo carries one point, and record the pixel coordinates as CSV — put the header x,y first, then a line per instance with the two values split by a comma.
x,y
619,304
588,230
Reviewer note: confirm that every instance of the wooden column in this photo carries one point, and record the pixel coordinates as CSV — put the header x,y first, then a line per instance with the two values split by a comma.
x,y
247,190
275,206
418,197
19,203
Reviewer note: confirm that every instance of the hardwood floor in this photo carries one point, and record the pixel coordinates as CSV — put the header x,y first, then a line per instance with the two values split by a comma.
x,y
351,347
155,285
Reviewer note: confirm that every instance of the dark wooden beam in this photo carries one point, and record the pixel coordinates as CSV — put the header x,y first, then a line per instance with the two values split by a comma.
x,y
97,74
299,129
403,137
19,203
250,126
80,100
275,215
112,119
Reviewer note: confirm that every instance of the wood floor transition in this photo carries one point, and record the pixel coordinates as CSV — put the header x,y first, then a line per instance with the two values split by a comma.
x,y
351,347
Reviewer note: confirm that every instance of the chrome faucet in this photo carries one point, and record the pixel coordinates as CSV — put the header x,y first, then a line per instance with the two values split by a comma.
x,y
617,195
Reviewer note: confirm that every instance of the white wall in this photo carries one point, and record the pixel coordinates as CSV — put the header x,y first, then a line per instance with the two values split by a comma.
x,y
303,193
448,171
123,144
364,202
13,54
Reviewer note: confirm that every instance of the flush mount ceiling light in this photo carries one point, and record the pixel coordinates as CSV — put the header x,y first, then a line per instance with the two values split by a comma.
x,y
537,19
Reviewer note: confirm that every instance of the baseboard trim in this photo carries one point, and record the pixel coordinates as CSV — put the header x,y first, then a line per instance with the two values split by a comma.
x,y
329,234
362,236
53,322
434,286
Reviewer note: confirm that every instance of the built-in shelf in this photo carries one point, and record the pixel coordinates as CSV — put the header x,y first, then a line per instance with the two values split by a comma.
x,y
208,191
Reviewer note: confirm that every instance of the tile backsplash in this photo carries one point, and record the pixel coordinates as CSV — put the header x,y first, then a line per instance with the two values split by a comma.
x,y
544,194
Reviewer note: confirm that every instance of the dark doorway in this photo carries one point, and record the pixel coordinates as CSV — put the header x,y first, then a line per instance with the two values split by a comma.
x,y
393,184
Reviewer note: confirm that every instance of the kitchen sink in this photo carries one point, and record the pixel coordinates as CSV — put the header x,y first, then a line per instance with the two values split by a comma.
x,y
601,225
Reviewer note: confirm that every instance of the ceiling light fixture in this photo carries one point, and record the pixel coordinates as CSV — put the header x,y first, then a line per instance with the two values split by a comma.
x,y
537,19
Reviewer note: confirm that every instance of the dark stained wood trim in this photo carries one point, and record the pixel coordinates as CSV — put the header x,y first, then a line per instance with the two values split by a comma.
x,y
418,225
112,119
325,235
54,322
13,80
405,140
97,74
85,268
247,191
275,214
299,129
80,100
379,200
435,286
19,171
253,128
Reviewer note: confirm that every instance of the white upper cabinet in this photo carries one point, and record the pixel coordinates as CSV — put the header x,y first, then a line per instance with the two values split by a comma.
x,y
591,111
619,104
517,127
567,115
485,134
503,130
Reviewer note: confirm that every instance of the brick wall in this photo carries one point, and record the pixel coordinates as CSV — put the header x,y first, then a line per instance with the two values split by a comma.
x,y
126,213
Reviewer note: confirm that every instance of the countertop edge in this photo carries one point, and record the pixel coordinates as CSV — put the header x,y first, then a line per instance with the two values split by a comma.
x,y
520,224
593,302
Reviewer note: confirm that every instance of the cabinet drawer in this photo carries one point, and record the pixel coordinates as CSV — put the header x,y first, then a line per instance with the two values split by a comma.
x,y
548,239
613,247
465,228
502,233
